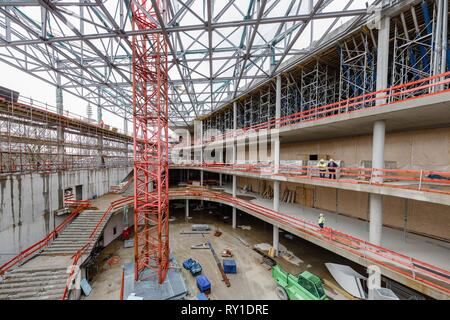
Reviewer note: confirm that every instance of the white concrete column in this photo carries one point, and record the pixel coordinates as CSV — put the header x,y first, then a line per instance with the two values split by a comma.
x,y
234,191
376,218
276,207
379,129
201,178
276,240
378,138
275,133
276,196
186,210
234,134
60,136
234,219
100,136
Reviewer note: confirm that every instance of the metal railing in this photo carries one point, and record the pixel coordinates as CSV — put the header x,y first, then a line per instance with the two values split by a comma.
x,y
388,97
79,205
409,267
77,256
419,180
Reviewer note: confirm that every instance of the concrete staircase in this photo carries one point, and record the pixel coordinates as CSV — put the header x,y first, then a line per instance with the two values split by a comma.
x,y
48,283
34,284
76,235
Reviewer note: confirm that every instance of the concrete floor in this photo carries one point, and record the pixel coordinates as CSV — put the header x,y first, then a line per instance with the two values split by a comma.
x,y
429,250
253,281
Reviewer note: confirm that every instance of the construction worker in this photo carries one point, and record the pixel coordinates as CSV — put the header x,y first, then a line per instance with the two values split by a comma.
x,y
322,168
321,220
332,169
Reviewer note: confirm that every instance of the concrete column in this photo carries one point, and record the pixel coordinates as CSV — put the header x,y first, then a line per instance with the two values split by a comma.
x,y
186,210
378,138
60,136
376,218
379,129
275,135
276,240
220,179
276,207
234,191
100,136
276,196
234,219
201,178
234,135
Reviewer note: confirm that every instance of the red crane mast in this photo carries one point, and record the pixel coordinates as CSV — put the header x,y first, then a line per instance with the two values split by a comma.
x,y
150,132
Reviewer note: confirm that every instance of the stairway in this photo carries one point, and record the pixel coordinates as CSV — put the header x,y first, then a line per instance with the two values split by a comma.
x,y
48,283
34,284
76,235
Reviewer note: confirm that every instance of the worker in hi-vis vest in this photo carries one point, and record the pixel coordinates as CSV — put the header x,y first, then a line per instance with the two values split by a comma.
x,y
321,220
322,165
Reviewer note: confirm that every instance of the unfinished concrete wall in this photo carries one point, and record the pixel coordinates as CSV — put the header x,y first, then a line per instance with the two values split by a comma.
x,y
416,216
120,220
428,148
28,203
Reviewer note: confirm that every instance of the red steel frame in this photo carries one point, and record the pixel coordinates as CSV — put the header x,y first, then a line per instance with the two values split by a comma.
x,y
150,133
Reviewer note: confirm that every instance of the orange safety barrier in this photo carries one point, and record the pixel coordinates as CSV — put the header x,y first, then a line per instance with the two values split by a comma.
x,y
439,84
345,175
76,257
407,266
80,206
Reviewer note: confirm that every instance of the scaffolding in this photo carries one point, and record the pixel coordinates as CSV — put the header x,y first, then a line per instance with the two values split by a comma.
x,y
290,96
357,66
29,141
317,86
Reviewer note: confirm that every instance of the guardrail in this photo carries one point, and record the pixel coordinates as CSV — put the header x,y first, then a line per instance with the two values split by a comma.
x,y
390,96
419,180
66,166
77,256
79,207
407,266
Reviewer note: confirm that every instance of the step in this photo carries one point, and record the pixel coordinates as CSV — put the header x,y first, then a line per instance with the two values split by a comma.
x,y
34,288
24,272
33,294
49,297
73,241
28,281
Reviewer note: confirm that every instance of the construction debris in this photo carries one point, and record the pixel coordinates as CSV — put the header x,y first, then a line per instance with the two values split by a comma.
x,y
128,243
219,265
266,190
200,227
194,232
200,246
226,253
243,241
288,196
245,227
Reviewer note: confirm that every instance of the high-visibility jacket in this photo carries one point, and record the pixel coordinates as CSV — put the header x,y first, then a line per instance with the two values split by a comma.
x,y
321,219
322,165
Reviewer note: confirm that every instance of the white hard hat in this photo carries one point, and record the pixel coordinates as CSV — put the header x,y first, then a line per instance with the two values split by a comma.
x,y
321,214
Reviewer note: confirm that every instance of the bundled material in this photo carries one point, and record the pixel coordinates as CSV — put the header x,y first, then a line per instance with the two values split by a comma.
x,y
266,191
288,196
